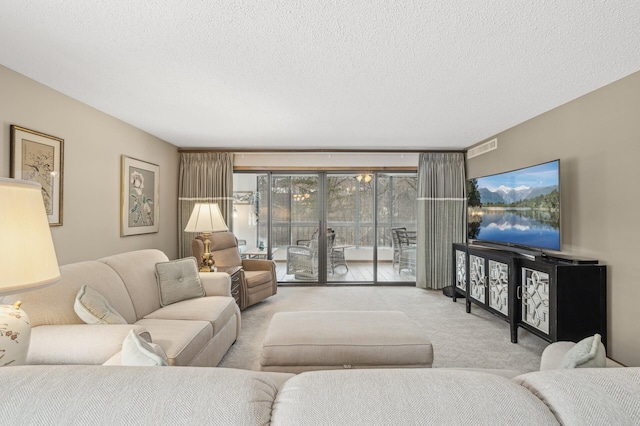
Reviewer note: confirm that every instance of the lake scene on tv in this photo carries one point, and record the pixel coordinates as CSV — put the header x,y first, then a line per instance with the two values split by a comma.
x,y
521,207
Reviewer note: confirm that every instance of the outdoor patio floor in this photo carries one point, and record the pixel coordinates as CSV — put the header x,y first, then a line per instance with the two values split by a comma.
x,y
358,273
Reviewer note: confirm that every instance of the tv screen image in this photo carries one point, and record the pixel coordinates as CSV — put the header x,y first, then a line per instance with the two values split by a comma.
x,y
517,208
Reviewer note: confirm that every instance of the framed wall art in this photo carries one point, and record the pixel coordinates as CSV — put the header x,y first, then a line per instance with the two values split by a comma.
x,y
139,200
242,197
39,157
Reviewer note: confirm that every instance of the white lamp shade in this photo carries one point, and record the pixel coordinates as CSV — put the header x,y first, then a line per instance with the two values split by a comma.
x,y
206,218
27,256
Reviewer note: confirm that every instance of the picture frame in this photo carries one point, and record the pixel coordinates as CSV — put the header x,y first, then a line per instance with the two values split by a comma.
x,y
139,197
242,197
39,157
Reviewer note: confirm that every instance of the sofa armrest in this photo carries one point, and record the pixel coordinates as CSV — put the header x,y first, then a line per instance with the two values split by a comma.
x,y
78,343
216,283
258,265
552,356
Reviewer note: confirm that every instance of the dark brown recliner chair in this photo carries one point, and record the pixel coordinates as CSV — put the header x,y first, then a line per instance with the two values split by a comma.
x,y
259,279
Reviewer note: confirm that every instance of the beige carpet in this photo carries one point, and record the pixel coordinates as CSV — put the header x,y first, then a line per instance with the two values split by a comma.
x,y
475,340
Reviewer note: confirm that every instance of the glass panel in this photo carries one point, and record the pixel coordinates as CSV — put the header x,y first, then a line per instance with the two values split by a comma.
x,y
461,270
396,208
349,211
535,299
476,277
294,205
250,212
499,286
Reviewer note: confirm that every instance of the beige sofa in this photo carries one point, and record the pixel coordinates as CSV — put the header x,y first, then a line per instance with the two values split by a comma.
x,y
194,332
53,395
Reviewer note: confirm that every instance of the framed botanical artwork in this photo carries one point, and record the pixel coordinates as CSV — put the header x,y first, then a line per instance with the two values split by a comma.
x,y
242,197
39,157
139,199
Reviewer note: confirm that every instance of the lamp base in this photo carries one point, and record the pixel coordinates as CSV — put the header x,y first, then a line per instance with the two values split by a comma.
x,y
208,268
15,333
208,265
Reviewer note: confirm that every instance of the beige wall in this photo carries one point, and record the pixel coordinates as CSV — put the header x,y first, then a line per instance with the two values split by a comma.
x,y
328,160
597,139
93,145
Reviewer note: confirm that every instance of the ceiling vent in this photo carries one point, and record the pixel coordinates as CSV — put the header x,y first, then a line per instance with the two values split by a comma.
x,y
483,148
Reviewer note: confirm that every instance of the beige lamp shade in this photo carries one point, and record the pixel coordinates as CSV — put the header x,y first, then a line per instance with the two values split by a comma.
x,y
206,218
27,256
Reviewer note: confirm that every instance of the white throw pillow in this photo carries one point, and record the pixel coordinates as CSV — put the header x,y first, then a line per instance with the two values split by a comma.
x,y
178,280
93,308
137,351
587,353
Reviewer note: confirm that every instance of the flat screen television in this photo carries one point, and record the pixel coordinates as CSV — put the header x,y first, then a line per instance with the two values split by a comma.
x,y
516,209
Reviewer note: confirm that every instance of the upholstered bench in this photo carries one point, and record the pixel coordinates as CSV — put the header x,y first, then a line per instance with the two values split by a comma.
x,y
326,340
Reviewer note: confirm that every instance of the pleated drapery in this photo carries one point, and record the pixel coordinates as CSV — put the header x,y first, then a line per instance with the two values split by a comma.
x,y
205,177
442,206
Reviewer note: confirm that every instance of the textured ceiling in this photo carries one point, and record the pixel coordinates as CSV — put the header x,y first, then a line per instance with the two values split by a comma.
x,y
355,74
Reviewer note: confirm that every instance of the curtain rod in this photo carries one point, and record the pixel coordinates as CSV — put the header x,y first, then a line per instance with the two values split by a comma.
x,y
321,151
327,169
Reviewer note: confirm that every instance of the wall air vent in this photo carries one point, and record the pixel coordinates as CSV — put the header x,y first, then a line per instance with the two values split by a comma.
x,y
482,148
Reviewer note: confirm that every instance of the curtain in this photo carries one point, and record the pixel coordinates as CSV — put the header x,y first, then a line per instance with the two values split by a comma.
x,y
205,177
441,216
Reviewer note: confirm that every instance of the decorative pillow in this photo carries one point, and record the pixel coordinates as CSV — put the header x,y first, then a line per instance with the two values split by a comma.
x,y
587,353
137,351
93,308
178,280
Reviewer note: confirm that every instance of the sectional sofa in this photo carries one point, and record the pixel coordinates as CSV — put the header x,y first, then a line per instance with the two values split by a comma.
x,y
198,331
54,395
193,332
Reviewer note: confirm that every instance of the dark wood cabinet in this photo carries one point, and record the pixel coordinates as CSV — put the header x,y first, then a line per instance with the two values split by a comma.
x,y
563,301
235,272
556,300
491,278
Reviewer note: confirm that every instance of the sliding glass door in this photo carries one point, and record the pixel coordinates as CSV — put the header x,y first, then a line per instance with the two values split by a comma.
x,y
350,216
397,225
295,226
329,227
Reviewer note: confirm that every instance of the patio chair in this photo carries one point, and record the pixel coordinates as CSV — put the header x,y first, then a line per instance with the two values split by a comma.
x,y
406,251
302,260
396,245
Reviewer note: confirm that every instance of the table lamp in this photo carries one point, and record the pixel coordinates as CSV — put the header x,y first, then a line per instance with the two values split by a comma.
x,y
27,261
206,218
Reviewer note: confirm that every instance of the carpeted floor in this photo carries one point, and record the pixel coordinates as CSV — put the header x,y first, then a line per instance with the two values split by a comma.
x,y
475,340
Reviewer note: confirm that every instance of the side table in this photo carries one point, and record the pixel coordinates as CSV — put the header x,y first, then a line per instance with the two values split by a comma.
x,y
235,272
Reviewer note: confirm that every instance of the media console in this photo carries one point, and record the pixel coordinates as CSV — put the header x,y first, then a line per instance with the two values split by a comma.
x,y
555,298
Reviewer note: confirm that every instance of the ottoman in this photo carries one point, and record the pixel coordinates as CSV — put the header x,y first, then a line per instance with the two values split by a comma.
x,y
326,340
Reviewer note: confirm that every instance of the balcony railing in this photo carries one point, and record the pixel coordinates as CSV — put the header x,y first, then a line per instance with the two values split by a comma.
x,y
350,233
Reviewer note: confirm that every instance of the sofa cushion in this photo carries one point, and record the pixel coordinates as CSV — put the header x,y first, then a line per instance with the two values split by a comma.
x,y
178,280
93,308
224,249
137,351
78,343
181,340
218,310
257,278
137,269
406,396
587,353
588,396
117,395
54,304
